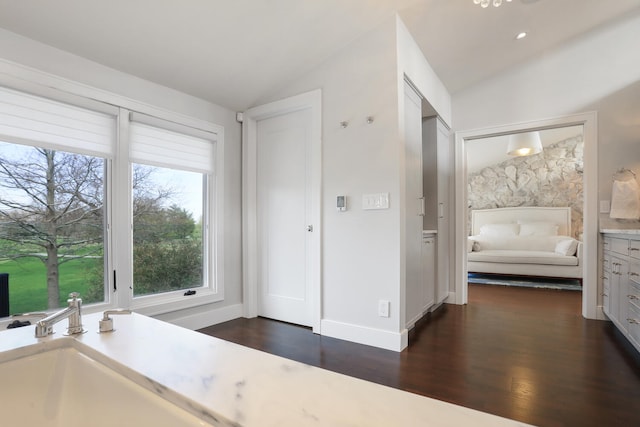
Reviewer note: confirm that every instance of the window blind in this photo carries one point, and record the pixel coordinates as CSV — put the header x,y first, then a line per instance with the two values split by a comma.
x,y
157,146
31,119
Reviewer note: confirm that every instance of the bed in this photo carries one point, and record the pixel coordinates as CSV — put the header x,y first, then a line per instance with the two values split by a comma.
x,y
529,241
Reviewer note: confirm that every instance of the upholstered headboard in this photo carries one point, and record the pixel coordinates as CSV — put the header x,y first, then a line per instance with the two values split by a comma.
x,y
560,216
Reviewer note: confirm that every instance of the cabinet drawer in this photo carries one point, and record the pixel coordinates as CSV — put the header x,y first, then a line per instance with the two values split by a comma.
x,y
606,262
633,294
633,323
634,272
620,246
606,292
634,249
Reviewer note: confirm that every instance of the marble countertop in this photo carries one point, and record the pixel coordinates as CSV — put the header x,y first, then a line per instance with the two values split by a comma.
x,y
631,231
226,384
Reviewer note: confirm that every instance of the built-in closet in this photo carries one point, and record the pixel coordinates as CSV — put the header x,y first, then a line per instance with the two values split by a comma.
x,y
427,172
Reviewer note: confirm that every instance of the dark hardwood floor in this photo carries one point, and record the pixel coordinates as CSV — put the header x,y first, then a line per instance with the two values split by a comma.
x,y
525,354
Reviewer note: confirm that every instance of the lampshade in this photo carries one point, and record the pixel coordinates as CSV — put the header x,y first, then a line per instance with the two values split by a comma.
x,y
524,144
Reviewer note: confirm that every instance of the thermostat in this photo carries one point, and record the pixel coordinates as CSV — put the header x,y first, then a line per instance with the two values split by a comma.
x,y
341,203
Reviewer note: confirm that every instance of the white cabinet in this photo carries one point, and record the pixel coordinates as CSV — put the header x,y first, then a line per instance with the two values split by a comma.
x,y
414,205
427,164
428,270
437,171
421,295
621,284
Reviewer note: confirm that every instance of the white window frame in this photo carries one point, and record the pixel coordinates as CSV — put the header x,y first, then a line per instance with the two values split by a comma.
x,y
212,291
118,233
76,101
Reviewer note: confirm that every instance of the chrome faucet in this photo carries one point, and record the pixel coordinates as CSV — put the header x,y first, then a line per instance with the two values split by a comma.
x,y
106,324
73,311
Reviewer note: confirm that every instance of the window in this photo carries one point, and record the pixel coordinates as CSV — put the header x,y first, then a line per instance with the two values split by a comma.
x,y
65,185
172,174
168,250
53,165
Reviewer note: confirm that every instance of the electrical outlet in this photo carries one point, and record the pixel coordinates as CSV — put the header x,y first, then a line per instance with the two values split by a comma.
x,y
383,308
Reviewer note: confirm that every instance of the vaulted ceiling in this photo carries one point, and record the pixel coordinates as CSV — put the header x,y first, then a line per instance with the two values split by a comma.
x,y
234,53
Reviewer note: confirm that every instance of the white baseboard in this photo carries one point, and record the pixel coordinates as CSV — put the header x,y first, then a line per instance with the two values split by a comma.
x,y
600,315
395,341
451,299
208,318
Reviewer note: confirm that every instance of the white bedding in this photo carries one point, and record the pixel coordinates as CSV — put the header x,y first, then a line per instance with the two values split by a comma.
x,y
524,241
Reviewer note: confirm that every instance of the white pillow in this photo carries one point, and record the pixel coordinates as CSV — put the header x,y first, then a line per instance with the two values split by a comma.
x,y
567,247
538,229
499,230
470,245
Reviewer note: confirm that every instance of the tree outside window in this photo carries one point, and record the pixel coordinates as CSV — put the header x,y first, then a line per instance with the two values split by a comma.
x,y
52,227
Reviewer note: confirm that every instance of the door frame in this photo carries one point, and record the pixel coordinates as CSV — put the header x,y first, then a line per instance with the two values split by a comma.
x,y
589,121
309,100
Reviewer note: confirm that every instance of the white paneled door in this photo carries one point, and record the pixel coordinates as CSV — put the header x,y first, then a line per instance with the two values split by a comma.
x,y
282,259
284,226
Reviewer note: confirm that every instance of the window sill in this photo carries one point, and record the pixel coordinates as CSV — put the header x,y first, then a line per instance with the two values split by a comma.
x,y
154,305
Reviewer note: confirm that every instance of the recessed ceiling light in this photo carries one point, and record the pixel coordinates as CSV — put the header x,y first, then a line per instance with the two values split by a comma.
x,y
521,35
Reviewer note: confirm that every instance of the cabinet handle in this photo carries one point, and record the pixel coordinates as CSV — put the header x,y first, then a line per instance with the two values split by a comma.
x,y
604,295
634,249
421,206
633,321
633,273
632,297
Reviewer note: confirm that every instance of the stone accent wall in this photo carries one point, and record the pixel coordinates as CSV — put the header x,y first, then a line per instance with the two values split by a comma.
x,y
551,178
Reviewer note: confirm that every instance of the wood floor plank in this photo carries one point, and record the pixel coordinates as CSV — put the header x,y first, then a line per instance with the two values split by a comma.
x,y
521,353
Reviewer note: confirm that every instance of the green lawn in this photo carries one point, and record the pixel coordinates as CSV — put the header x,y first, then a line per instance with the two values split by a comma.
x,y
28,282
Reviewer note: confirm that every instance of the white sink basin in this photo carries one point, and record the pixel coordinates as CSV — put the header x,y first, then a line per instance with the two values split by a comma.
x,y
65,387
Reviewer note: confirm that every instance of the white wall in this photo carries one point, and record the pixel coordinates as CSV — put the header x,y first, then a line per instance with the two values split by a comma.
x,y
361,254
413,64
599,72
77,75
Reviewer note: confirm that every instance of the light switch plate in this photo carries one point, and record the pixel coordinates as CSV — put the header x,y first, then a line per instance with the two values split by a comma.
x,y
375,201
605,206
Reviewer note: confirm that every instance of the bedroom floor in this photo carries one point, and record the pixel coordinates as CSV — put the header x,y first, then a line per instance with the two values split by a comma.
x,y
521,353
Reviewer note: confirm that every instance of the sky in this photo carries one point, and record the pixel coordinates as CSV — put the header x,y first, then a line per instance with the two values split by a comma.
x,y
188,185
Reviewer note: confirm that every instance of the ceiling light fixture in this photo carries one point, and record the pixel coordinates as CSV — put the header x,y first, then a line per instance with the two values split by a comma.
x,y
486,3
524,144
521,35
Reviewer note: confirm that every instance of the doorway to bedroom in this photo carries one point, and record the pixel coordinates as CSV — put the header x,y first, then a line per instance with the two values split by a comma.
x,y
529,181
499,182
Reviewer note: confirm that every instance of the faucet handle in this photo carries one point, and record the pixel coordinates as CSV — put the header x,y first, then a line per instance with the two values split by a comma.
x,y
106,324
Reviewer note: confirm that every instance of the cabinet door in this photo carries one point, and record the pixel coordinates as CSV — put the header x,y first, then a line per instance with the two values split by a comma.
x,y
618,286
428,272
444,173
634,249
623,292
606,282
606,293
414,204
